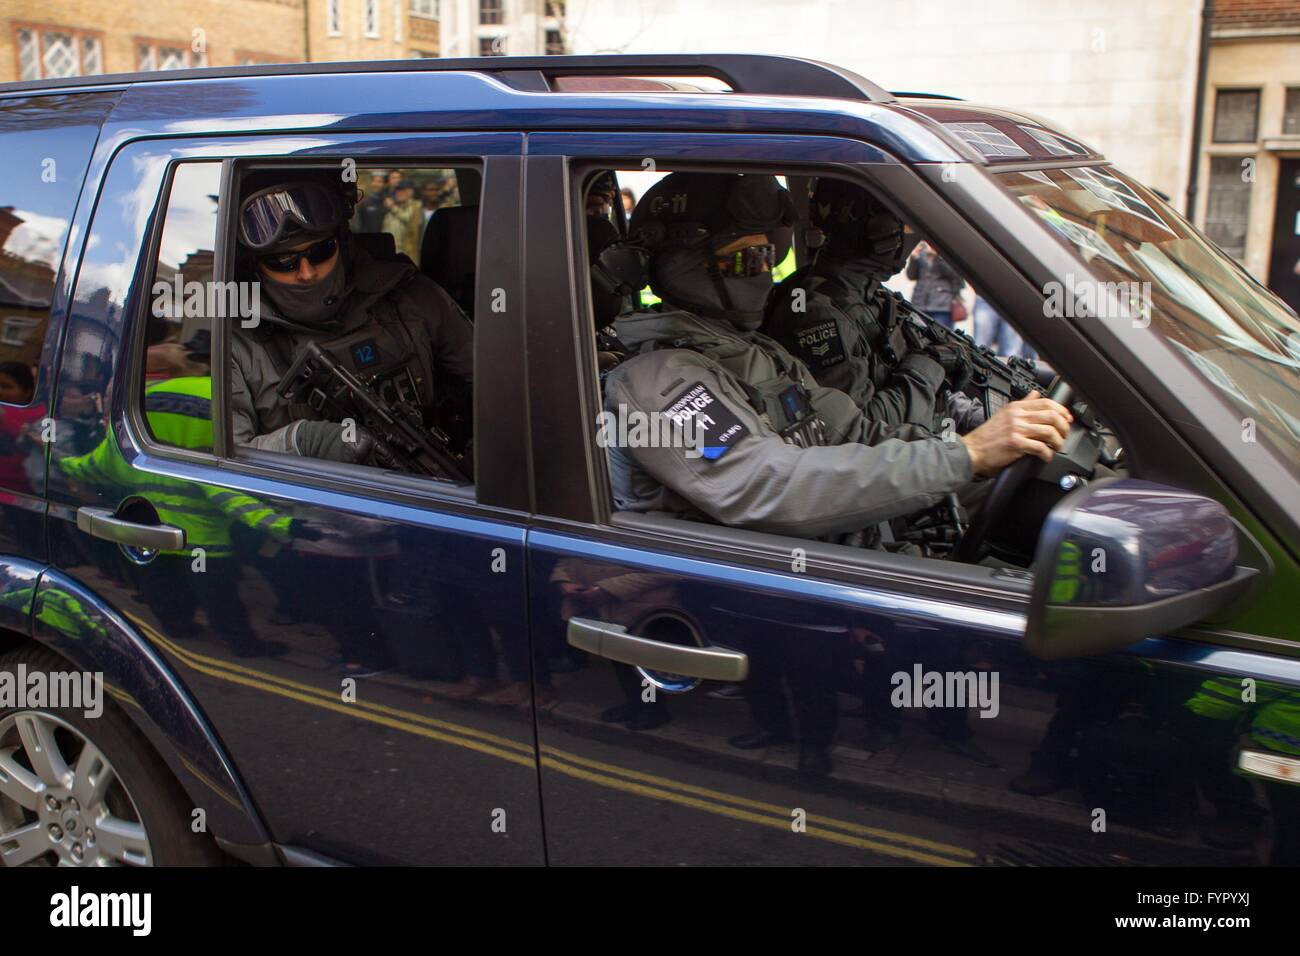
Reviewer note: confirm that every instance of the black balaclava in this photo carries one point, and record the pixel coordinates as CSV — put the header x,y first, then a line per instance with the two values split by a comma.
x,y
312,306
859,228
686,217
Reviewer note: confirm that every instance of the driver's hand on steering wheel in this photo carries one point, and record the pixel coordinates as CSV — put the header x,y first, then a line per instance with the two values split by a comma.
x,y
1032,426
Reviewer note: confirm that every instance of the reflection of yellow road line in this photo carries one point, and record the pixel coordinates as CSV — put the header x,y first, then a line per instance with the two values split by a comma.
x,y
618,778
195,659
782,813
323,699
778,823
211,785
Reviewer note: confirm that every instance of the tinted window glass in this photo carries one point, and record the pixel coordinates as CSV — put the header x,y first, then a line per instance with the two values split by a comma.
x,y
46,143
178,343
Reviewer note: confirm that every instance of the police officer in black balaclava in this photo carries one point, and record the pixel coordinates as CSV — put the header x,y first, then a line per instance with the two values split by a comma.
x,y
383,320
838,316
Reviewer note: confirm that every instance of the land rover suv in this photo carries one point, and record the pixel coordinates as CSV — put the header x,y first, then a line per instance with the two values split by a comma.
x,y
209,650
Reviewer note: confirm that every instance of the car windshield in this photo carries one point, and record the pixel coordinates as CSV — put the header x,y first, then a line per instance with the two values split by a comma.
x,y
1240,336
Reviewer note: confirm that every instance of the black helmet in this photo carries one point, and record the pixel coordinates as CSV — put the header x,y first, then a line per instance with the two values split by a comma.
x,y
687,220
284,207
859,227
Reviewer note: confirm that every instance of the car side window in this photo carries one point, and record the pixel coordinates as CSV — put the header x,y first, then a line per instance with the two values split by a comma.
x,y
177,379
775,322
362,351
346,303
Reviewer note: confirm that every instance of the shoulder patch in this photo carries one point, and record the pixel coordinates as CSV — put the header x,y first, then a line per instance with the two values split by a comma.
x,y
719,427
820,345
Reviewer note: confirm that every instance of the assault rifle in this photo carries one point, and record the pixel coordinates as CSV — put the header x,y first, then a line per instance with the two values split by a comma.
x,y
402,440
997,380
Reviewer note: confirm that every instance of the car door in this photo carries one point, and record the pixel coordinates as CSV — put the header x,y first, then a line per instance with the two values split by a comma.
x,y
317,617
905,722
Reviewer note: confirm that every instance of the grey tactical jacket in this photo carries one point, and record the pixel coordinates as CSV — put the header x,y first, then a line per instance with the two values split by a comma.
x,y
748,475
838,328
442,336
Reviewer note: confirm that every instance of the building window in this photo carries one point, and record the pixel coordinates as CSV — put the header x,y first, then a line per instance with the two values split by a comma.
x,y
1227,213
425,8
370,18
490,13
91,59
1236,116
397,21
163,55
1291,112
45,52
554,43
491,46
334,17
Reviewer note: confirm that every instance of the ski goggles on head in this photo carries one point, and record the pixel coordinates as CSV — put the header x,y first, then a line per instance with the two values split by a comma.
x,y
273,214
748,261
316,253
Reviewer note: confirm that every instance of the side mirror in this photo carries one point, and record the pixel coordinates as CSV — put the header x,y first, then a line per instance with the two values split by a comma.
x,y
1121,560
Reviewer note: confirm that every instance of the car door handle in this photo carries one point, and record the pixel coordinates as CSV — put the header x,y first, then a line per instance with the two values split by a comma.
x,y
613,642
102,523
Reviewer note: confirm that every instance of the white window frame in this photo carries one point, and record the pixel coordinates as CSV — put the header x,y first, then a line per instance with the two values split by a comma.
x,y
397,21
425,8
148,53
370,19
83,42
334,17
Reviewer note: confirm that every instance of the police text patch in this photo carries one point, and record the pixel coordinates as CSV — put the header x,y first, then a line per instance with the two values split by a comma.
x,y
718,427
820,344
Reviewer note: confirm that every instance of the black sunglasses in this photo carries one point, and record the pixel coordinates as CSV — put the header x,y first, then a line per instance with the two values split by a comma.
x,y
316,253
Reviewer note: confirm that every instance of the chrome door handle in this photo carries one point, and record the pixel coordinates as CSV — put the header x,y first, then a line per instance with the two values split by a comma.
x,y
102,523
613,642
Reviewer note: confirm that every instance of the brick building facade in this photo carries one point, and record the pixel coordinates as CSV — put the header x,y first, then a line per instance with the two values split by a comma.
x,y
45,38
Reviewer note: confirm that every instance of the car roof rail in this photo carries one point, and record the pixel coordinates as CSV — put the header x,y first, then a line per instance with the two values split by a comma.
x,y
742,72
909,95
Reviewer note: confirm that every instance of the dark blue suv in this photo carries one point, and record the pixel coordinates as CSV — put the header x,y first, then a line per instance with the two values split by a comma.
x,y
211,650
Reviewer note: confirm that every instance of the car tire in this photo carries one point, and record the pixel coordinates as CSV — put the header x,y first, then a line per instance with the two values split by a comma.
x,y
140,816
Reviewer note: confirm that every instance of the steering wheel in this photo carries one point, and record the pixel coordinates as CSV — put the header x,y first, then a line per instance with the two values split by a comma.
x,y
1006,488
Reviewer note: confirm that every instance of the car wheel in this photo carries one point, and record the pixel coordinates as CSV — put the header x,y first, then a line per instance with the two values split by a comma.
x,y
87,791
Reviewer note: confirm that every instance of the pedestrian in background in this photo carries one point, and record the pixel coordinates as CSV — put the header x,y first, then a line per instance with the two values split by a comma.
x,y
403,220
938,286
371,209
